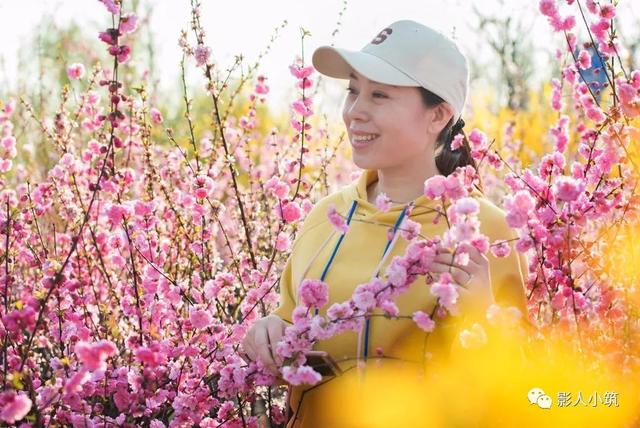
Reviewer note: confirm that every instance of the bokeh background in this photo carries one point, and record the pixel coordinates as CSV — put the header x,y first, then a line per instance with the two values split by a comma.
x,y
508,42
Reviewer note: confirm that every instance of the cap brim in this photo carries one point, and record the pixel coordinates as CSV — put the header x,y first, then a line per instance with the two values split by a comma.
x,y
340,63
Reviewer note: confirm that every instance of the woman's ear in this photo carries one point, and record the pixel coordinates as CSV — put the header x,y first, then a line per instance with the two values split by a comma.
x,y
440,117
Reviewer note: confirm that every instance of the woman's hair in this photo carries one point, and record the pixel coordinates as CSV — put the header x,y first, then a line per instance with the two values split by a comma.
x,y
448,160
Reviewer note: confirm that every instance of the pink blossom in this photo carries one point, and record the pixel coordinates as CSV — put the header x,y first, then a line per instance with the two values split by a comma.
x,y
464,231
524,243
569,74
551,164
202,54
584,60
568,23
302,109
305,83
142,209
396,272
9,106
122,53
19,320
434,187
5,165
156,116
410,229
74,384
548,7
457,142
212,288
424,321
635,79
607,11
117,212
200,318
339,311
297,125
300,375
454,188
500,249
596,114
477,139
556,95
390,308
201,193
110,36
364,299
444,289
291,212
151,356
481,243
15,406
600,28
111,6
300,72
279,188
568,188
283,242
518,208
336,220
558,301
128,23
383,202
261,87
592,6
313,293
94,355
75,71
467,206
626,92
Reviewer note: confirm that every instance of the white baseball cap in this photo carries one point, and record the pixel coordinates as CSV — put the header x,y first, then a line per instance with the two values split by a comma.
x,y
406,53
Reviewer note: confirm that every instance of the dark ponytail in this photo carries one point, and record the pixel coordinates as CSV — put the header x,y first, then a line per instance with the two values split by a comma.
x,y
448,160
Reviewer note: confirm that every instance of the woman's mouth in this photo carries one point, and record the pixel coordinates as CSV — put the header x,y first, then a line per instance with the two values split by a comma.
x,y
364,140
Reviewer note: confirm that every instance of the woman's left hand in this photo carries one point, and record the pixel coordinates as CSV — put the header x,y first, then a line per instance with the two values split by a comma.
x,y
475,294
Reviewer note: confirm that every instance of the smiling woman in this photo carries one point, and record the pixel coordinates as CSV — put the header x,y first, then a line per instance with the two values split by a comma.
x,y
375,112
407,90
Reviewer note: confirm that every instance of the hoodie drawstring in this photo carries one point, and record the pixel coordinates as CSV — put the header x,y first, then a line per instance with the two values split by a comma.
x,y
335,248
386,248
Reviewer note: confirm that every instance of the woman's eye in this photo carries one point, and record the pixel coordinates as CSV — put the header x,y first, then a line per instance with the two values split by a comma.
x,y
374,95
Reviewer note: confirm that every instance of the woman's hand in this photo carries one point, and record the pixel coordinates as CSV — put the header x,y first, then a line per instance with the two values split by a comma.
x,y
261,339
474,292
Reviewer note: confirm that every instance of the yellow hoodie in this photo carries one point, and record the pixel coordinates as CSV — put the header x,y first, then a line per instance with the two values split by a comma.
x,y
398,340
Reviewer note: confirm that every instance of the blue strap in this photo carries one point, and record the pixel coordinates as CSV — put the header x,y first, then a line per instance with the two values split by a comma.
x,y
335,251
335,248
386,248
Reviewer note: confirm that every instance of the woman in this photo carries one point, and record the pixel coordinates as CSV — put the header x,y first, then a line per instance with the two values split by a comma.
x,y
407,90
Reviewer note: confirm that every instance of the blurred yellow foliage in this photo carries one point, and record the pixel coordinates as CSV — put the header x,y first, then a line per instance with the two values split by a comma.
x,y
531,126
489,386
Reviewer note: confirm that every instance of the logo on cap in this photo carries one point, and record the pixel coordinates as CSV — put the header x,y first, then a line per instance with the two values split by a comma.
x,y
382,36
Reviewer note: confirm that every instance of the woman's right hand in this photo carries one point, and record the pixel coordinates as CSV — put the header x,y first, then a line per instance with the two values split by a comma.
x,y
261,339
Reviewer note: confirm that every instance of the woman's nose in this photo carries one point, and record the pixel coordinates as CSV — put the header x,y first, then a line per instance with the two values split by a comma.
x,y
357,110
